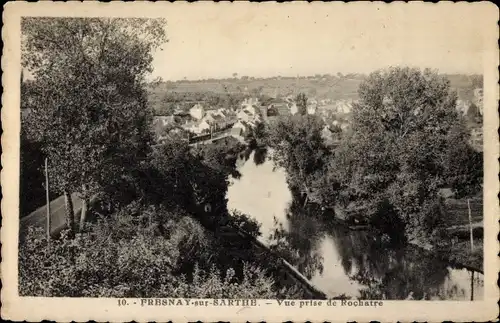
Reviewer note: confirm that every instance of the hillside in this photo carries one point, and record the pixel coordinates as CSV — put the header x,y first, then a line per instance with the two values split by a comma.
x,y
322,87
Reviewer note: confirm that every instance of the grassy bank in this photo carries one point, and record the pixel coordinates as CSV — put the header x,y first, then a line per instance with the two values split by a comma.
x,y
458,249
460,253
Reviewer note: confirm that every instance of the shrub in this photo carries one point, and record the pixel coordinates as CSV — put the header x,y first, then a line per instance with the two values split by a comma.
x,y
245,223
137,252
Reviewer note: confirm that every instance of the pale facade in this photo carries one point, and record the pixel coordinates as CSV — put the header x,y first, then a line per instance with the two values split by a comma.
x,y
244,115
197,112
294,109
311,109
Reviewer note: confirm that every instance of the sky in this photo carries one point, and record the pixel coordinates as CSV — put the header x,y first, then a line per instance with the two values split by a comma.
x,y
262,41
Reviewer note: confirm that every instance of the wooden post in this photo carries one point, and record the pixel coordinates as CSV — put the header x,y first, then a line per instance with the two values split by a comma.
x,y
471,285
47,195
470,227
83,211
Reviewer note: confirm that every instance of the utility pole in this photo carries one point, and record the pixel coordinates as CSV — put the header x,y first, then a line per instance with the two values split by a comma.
x,y
471,285
470,227
47,195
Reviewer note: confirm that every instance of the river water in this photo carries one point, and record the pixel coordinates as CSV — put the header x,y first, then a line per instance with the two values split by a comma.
x,y
338,261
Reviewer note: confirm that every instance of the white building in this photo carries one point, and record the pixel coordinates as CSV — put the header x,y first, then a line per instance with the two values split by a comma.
x,y
197,111
311,109
345,106
241,125
294,109
222,112
252,109
197,127
209,118
192,128
203,126
244,115
312,101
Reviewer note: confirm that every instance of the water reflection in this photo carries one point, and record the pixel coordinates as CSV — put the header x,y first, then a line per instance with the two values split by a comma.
x,y
336,260
259,156
299,244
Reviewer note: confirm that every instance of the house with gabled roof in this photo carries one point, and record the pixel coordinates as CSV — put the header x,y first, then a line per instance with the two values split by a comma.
x,y
197,111
244,115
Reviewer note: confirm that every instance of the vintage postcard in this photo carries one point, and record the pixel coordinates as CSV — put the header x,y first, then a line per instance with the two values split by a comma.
x,y
250,162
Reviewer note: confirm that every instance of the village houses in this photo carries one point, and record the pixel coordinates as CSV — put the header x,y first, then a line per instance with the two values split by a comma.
x,y
244,115
344,106
240,128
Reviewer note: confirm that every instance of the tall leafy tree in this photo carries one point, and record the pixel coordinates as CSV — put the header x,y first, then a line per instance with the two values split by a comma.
x,y
299,148
88,100
301,101
473,114
396,157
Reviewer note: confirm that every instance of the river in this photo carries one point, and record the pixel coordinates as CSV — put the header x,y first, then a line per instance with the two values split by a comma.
x,y
337,261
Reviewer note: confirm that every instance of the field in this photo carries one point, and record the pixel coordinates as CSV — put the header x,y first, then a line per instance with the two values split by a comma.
x,y
321,87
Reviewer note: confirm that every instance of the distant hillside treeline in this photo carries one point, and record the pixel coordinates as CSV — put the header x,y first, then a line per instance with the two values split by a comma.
x,y
335,87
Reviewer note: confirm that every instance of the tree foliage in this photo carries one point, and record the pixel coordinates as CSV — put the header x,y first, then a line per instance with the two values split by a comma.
x,y
87,99
126,256
474,115
298,147
301,101
398,155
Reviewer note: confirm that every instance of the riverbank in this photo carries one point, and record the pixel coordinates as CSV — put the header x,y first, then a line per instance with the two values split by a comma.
x,y
453,246
459,253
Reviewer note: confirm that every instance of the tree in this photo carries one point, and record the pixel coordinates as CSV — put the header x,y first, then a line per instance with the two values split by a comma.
x,y
463,165
396,154
477,81
88,99
299,148
301,101
463,169
473,114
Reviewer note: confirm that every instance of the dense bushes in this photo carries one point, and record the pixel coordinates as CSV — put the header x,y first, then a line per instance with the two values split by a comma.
x,y
245,223
126,255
